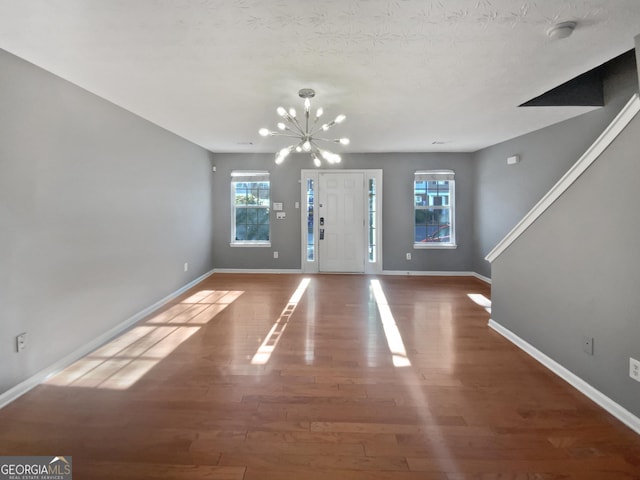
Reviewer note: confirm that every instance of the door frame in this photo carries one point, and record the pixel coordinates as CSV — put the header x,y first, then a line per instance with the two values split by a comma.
x,y
371,265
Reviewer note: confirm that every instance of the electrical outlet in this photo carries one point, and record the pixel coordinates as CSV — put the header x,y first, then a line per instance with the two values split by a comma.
x,y
21,342
587,345
408,256
275,254
634,369
186,266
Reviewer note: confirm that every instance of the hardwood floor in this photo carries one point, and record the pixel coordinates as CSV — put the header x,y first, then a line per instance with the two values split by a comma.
x,y
274,377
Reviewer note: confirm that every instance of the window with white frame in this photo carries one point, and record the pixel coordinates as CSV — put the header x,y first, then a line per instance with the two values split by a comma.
x,y
250,205
434,209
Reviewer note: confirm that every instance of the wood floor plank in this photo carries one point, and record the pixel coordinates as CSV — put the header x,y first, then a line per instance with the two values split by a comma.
x,y
312,462
153,471
338,474
185,395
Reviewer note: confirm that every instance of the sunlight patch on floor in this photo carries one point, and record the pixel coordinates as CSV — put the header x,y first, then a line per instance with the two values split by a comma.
x,y
269,344
391,332
481,300
126,359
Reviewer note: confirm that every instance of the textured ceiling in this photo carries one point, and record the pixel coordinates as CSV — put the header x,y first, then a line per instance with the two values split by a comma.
x,y
411,75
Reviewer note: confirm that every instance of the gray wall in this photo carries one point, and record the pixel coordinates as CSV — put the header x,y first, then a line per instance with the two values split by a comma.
x,y
575,273
397,210
504,194
99,210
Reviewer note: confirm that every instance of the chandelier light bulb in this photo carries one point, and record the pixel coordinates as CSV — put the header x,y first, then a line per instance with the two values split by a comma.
x,y
327,155
304,132
331,157
282,154
285,151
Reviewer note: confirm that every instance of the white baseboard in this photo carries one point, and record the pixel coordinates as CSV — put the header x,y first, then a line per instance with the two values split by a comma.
x,y
35,380
255,271
482,277
384,272
618,411
422,273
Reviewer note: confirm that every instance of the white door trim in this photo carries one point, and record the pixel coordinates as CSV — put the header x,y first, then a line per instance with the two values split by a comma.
x,y
371,265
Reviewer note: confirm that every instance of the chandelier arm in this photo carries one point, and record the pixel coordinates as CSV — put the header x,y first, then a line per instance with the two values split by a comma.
x,y
315,147
293,131
330,140
314,131
297,124
311,128
284,135
324,127
294,123
327,155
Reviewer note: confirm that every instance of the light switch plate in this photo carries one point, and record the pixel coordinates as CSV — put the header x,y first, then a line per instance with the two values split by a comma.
x,y
21,342
634,369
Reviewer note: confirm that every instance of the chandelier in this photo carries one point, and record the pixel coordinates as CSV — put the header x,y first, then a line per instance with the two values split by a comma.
x,y
305,131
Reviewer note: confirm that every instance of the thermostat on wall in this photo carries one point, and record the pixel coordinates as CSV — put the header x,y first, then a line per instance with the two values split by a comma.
x,y
277,205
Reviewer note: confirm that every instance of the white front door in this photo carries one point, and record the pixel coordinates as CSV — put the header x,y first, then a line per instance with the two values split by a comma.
x,y
341,228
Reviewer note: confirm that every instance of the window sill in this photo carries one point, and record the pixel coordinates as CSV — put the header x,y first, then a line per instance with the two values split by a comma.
x,y
250,244
434,246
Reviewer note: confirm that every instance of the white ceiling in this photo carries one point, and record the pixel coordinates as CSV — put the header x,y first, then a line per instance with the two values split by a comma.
x,y
407,73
